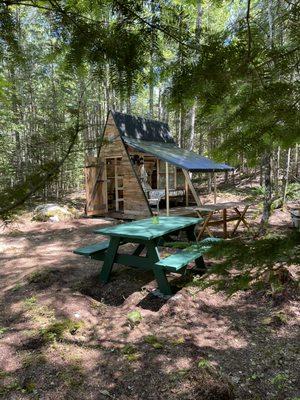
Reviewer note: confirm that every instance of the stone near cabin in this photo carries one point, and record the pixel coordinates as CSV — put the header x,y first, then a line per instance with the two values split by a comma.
x,y
53,213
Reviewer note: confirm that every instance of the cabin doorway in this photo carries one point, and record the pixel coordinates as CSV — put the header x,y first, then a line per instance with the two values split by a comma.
x,y
114,180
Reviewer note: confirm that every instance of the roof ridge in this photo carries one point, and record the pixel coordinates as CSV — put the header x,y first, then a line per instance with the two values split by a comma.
x,y
139,117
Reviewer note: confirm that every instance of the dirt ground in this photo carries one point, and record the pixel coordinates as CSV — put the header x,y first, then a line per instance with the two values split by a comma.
x,y
64,335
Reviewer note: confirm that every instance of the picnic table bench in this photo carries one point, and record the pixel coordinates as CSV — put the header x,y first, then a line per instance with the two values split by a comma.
x,y
147,235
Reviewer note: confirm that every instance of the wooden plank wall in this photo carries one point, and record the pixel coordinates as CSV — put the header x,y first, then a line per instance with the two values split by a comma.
x,y
94,186
134,199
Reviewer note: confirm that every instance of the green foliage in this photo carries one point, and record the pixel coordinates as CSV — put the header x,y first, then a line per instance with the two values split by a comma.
x,y
30,302
154,342
204,364
293,191
56,330
134,317
130,353
254,264
3,330
279,380
179,374
111,54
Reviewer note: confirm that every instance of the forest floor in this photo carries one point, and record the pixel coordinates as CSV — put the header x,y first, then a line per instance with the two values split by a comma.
x,y
64,335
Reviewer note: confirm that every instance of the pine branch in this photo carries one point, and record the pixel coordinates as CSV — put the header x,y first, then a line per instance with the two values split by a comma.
x,y
158,27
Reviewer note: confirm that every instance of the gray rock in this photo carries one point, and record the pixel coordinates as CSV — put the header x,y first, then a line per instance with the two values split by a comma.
x,y
53,212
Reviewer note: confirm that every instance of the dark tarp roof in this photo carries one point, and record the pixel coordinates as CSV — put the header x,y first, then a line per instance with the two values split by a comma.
x,y
154,137
142,128
182,158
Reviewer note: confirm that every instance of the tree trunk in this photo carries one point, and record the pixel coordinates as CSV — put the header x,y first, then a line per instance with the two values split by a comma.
x,y
151,72
180,127
194,107
296,161
209,183
266,167
193,119
277,172
286,176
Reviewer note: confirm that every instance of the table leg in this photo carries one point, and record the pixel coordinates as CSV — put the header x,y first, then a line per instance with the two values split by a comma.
x,y
205,226
241,219
109,259
160,275
200,265
190,232
199,262
138,250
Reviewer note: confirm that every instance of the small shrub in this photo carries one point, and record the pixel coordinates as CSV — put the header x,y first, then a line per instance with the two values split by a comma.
x,y
279,380
134,317
130,352
3,330
204,364
178,341
57,330
154,342
30,302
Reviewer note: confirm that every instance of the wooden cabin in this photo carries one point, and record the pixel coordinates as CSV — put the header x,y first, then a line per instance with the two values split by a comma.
x,y
139,168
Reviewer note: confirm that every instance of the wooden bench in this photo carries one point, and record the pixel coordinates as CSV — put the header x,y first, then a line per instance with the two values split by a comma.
x,y
178,262
95,251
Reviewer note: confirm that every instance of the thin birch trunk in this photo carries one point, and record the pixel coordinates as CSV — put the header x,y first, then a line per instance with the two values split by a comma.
x,y
296,161
286,176
193,120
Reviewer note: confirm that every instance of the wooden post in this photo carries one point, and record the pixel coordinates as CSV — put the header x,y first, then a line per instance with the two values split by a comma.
x,y
186,192
105,188
215,188
167,189
116,183
175,177
157,174
191,186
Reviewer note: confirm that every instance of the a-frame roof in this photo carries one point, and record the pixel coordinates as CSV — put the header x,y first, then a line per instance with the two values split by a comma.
x,y
154,137
140,128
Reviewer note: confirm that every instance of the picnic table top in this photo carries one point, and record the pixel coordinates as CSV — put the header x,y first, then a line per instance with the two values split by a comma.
x,y
221,206
145,229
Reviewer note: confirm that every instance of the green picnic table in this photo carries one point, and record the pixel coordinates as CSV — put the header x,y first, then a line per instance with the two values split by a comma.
x,y
146,235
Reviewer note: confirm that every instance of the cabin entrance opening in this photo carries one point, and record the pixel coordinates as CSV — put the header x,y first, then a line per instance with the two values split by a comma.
x,y
114,179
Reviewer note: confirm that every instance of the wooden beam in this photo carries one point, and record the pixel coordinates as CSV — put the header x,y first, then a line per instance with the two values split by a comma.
x,y
191,186
186,192
167,190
